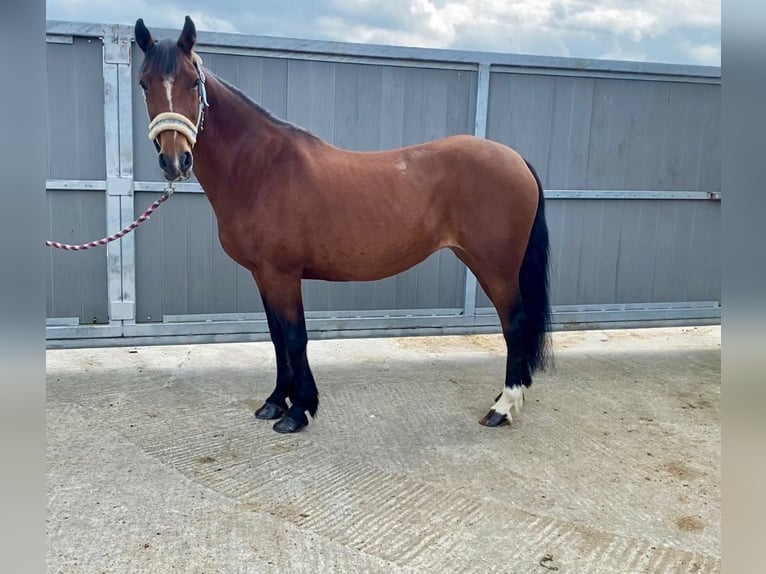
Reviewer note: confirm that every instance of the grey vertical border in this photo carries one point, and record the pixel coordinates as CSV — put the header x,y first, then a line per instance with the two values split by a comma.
x,y
480,130
23,227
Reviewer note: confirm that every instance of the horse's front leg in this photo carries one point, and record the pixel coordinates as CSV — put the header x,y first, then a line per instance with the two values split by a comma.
x,y
284,304
276,404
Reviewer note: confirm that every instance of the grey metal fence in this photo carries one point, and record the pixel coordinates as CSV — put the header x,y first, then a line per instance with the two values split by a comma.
x,y
628,153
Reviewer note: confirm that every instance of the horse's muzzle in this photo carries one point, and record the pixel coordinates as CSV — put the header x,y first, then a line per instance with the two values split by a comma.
x,y
176,167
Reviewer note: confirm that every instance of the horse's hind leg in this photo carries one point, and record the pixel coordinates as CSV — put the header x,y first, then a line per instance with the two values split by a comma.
x,y
503,290
282,298
517,374
502,287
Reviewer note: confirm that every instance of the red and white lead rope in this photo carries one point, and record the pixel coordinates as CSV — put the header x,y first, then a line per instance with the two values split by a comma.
x,y
162,122
165,195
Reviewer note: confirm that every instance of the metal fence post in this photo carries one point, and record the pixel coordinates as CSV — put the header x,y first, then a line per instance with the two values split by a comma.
x,y
480,130
118,133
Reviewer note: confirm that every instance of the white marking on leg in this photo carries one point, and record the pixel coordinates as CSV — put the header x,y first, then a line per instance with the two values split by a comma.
x,y
511,398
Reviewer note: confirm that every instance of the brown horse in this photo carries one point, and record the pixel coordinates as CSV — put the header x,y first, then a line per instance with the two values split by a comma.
x,y
291,206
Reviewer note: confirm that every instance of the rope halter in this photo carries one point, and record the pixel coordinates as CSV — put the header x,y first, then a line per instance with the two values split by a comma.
x,y
172,121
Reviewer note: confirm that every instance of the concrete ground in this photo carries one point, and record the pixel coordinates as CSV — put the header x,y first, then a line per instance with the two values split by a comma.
x,y
156,463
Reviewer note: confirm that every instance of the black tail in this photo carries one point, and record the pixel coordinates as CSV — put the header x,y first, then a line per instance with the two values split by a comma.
x,y
533,283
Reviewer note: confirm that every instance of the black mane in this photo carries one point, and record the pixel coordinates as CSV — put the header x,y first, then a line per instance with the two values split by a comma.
x,y
263,111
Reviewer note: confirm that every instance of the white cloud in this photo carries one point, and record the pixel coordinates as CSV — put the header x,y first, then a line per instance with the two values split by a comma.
x,y
703,53
683,31
338,28
202,21
633,23
442,22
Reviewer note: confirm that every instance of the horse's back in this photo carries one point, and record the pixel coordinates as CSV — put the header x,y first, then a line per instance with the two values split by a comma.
x,y
473,171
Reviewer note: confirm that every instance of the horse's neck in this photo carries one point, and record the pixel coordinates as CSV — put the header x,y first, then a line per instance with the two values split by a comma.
x,y
233,132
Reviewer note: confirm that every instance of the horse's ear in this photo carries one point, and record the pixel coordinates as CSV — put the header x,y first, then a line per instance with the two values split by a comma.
x,y
188,37
143,36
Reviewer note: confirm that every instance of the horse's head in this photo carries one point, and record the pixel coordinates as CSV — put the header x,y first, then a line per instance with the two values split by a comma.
x,y
174,89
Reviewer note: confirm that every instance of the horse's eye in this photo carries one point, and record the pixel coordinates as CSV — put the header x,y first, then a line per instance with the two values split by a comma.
x,y
144,87
195,85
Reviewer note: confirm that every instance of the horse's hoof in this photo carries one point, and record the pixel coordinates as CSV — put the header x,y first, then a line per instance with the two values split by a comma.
x,y
494,419
287,424
269,412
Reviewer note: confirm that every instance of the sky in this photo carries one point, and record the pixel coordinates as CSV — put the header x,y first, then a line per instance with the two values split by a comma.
x,y
668,31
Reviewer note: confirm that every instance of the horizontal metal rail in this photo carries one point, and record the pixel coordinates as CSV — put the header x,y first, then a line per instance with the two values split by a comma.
x,y
549,194
190,187
334,324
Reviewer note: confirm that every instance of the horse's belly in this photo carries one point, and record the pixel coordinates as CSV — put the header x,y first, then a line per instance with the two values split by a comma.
x,y
368,262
